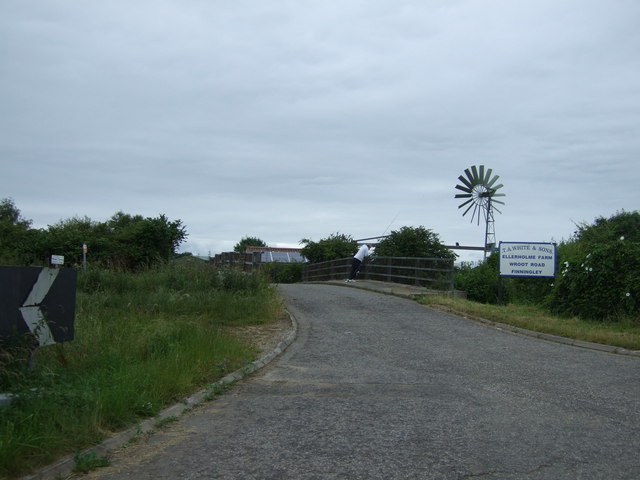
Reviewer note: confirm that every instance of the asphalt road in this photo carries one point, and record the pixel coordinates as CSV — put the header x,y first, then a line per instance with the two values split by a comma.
x,y
379,387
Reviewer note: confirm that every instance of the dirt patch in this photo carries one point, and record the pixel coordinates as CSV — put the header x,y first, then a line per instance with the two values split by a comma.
x,y
265,337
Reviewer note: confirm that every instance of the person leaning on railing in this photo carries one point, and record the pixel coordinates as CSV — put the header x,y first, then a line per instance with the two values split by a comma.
x,y
364,251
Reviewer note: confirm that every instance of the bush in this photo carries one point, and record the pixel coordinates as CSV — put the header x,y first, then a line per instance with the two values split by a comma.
x,y
598,274
283,272
413,242
336,246
481,283
602,285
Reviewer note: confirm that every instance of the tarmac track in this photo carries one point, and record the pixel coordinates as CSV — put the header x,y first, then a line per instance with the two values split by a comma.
x,y
379,387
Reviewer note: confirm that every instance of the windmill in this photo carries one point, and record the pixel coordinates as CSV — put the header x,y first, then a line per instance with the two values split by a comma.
x,y
480,191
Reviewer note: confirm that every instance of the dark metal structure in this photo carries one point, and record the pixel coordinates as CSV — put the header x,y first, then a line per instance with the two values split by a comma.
x,y
432,273
479,194
37,301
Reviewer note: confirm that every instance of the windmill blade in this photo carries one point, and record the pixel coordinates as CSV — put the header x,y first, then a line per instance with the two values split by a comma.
x,y
494,208
475,174
470,207
469,176
481,176
473,213
464,189
497,201
463,195
497,187
489,172
466,182
465,203
476,210
493,180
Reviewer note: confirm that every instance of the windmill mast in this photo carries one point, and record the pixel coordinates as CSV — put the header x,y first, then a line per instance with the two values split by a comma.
x,y
490,232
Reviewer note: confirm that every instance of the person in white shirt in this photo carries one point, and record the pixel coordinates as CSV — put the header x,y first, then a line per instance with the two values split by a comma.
x,y
364,251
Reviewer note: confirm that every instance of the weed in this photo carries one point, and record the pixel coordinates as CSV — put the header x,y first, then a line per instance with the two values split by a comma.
x,y
85,462
166,421
217,389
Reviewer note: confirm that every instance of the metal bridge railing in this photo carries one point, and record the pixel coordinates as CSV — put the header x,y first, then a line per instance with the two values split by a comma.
x,y
433,273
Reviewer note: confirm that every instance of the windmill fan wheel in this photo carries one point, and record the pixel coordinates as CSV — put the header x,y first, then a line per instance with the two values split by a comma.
x,y
480,190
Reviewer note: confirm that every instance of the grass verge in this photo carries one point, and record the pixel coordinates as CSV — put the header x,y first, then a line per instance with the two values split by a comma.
x,y
142,341
624,334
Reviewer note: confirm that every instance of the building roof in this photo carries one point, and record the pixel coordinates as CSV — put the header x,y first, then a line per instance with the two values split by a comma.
x,y
278,254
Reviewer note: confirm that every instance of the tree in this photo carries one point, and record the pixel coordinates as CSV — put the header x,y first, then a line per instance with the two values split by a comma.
x,y
126,241
67,237
242,245
16,239
335,246
9,214
413,242
137,242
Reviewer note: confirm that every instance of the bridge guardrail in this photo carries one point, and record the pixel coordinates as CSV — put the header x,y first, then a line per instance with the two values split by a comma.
x,y
433,273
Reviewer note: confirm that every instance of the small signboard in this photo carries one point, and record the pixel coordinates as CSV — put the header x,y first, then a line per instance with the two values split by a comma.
x,y
527,259
57,259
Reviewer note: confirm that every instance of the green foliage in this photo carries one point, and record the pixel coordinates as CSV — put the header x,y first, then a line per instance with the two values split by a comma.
x,y
242,245
604,284
124,241
599,270
10,214
598,274
481,283
15,234
534,291
85,462
142,340
413,242
607,230
280,272
67,236
144,241
15,353
335,246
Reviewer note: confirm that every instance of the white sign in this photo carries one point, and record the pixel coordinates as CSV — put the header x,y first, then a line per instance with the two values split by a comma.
x,y
527,259
57,259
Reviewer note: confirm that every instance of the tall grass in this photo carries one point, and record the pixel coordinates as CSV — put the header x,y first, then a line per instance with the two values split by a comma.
x,y
141,341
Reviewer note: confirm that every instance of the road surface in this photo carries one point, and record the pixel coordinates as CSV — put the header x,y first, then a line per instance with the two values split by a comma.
x,y
380,387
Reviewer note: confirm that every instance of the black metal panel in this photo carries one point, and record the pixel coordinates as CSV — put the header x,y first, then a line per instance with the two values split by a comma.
x,y
57,306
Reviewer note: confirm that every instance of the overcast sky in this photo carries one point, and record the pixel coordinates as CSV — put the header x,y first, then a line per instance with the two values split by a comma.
x,y
294,119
